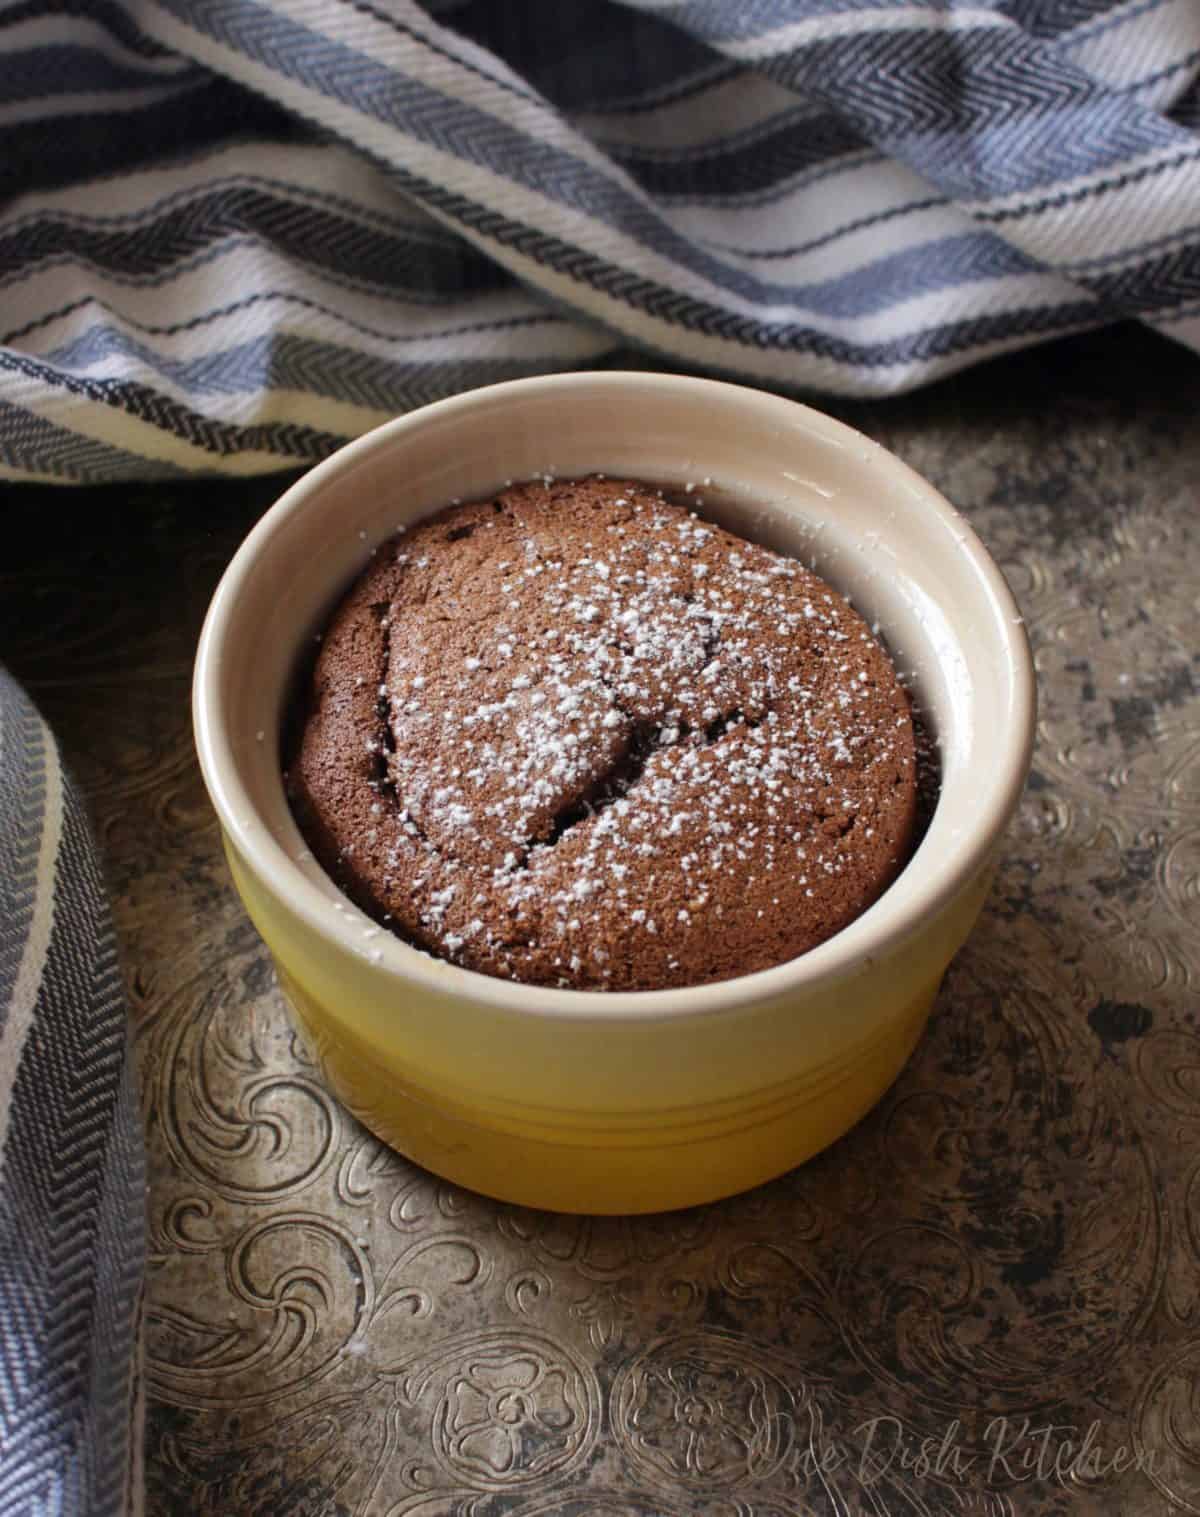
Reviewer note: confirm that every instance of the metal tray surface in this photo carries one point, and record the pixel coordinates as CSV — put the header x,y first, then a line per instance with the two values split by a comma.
x,y
986,1298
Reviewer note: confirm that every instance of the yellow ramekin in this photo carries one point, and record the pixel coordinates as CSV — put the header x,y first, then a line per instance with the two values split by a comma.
x,y
580,1100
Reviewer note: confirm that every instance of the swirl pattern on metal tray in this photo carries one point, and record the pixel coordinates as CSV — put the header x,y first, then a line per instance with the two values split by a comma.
x,y
985,1299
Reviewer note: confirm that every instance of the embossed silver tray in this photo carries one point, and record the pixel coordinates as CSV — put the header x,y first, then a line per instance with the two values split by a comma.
x,y
985,1299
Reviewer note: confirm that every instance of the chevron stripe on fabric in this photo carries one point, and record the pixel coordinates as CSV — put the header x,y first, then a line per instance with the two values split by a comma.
x,y
989,109
340,373
71,1171
723,169
23,742
156,246
675,307
856,197
144,404
453,126
1173,279
34,446
43,152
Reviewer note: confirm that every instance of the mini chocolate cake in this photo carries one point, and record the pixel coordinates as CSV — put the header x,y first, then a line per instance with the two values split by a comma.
x,y
575,735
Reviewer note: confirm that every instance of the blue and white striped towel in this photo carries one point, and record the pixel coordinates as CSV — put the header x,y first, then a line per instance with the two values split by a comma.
x,y
236,232
72,1196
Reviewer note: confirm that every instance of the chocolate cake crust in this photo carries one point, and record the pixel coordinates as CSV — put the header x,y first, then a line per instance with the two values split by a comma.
x,y
575,735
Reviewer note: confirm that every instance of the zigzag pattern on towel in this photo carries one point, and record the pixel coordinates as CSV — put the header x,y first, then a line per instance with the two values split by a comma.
x,y
71,1166
854,198
160,239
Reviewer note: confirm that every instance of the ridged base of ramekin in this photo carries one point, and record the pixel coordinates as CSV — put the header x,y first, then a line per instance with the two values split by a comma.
x,y
618,1163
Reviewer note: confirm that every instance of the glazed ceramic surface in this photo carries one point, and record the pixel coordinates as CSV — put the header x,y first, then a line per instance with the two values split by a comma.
x,y
621,1102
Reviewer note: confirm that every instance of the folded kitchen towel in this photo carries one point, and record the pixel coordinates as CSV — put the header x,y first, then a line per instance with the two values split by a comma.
x,y
72,1192
234,233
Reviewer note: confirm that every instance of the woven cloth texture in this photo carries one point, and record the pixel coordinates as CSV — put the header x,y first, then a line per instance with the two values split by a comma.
x,y
72,1184
235,233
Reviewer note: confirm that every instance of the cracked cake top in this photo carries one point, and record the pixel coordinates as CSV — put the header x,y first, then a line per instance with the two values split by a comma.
x,y
575,735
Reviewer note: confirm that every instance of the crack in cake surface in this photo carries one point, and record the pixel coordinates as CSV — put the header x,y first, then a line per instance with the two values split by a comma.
x,y
602,710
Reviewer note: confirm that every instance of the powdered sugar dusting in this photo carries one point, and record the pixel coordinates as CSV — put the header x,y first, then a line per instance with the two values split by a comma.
x,y
596,711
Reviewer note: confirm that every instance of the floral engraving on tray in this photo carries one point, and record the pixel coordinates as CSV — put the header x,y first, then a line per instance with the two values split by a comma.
x,y
508,1416
697,1410
497,1410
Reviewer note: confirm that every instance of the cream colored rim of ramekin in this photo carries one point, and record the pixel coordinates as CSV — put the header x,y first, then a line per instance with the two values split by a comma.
x,y
921,892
